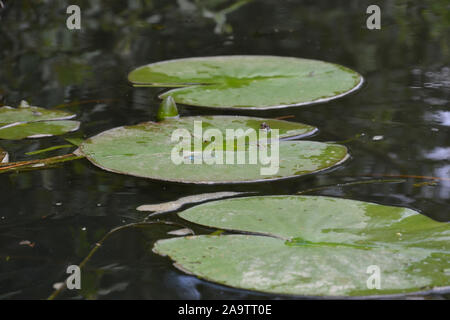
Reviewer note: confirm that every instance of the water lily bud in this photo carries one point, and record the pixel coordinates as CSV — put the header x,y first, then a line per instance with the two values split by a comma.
x,y
167,109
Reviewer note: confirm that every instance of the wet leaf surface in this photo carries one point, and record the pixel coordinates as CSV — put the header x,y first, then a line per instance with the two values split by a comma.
x,y
248,82
145,150
39,129
315,246
34,122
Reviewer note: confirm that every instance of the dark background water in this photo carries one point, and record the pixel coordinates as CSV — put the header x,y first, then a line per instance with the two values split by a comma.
x,y
65,210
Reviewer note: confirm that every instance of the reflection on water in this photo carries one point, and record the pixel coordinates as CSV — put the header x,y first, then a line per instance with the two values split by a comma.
x,y
64,211
441,117
439,154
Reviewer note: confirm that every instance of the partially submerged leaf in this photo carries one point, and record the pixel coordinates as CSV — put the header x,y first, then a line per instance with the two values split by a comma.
x,y
34,122
38,129
145,150
10,115
248,82
314,246
174,205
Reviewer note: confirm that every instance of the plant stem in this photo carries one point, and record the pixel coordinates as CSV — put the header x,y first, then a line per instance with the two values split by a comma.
x,y
103,239
6,167
352,183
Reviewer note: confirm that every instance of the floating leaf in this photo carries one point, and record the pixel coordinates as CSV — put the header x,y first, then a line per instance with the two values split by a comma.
x,y
26,113
315,246
144,150
38,129
34,122
248,82
4,157
180,232
174,205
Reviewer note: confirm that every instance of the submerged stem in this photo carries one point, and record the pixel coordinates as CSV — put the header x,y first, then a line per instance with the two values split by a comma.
x,y
31,164
100,243
353,183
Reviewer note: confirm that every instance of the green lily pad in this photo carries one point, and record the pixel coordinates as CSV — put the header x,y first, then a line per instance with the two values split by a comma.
x,y
314,246
26,113
38,129
34,122
145,150
248,82
177,204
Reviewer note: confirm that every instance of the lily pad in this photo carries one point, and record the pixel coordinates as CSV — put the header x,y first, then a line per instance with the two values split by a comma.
x,y
248,82
145,150
177,204
314,246
26,113
38,129
34,122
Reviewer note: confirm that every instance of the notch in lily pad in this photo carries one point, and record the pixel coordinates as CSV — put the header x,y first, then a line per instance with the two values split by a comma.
x,y
28,121
314,246
248,82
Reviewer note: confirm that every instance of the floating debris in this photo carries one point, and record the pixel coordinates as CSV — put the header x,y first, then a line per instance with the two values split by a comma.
x,y
181,232
174,205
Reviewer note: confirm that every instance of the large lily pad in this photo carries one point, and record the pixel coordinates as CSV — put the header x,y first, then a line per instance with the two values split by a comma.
x,y
144,150
38,129
34,122
314,246
248,82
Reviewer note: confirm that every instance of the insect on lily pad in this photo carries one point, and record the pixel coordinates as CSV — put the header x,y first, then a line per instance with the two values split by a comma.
x,y
248,82
314,246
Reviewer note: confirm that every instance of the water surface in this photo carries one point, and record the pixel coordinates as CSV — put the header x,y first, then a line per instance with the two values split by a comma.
x,y
396,125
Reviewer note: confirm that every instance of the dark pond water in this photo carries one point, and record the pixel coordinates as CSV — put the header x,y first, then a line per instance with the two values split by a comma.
x,y
65,210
